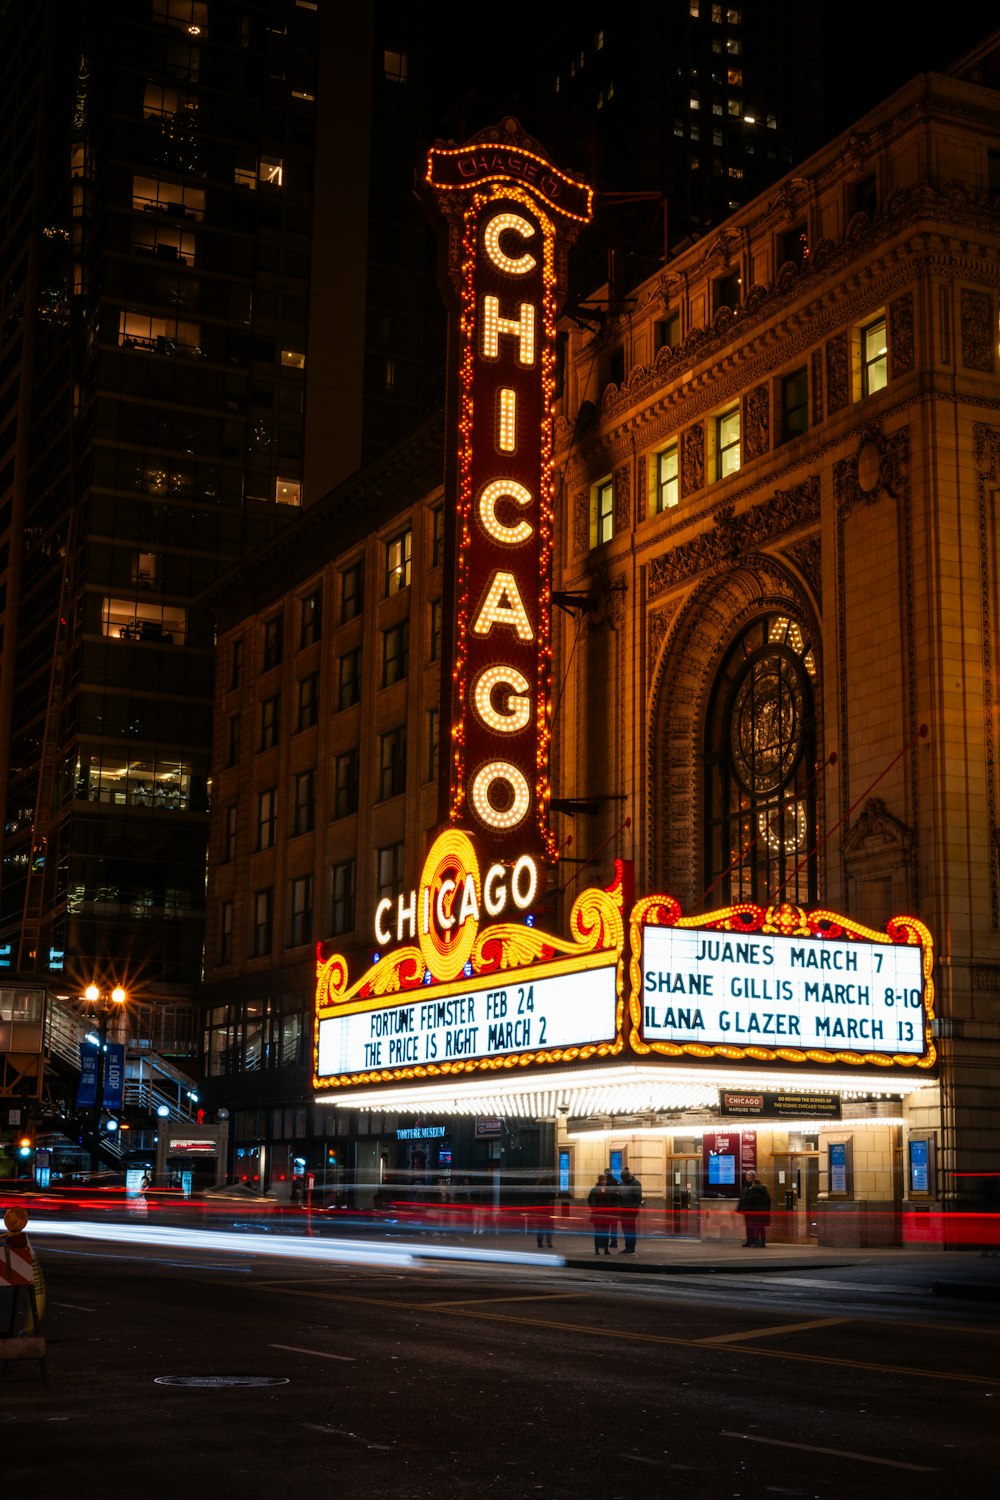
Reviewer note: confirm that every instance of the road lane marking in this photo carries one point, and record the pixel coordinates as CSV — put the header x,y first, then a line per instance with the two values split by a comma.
x,y
347,1359
74,1307
590,1330
759,1333
524,1297
864,1458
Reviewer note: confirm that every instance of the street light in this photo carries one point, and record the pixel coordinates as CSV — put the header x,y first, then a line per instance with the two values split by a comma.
x,y
105,1005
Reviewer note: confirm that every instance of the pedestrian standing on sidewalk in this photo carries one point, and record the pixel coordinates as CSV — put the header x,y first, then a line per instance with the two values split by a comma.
x,y
599,1204
629,1203
614,1203
755,1206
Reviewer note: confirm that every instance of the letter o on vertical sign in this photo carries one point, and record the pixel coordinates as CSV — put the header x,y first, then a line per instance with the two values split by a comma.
x,y
494,773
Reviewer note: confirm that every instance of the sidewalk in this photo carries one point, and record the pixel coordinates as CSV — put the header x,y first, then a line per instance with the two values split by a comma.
x,y
948,1272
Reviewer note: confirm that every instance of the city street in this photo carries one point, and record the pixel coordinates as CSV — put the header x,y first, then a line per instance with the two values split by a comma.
x,y
430,1378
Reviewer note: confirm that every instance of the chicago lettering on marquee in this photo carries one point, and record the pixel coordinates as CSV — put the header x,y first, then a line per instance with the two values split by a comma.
x,y
780,984
511,218
464,996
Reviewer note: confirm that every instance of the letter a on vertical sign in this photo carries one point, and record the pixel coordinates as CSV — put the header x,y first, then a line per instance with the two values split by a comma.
x,y
510,218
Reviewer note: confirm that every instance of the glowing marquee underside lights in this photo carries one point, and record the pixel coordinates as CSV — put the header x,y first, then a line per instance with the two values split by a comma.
x,y
511,216
613,1089
466,998
780,984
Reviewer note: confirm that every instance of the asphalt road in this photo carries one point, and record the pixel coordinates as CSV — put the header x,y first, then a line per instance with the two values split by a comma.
x,y
443,1380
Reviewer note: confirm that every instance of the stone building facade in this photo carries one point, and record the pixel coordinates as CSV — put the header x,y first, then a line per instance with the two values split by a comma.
x,y
779,552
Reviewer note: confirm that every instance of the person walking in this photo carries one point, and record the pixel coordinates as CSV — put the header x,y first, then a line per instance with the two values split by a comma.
x,y
755,1206
614,1199
629,1203
599,1204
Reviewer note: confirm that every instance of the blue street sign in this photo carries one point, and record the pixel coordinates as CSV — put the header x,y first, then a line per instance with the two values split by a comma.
x,y
87,1091
114,1075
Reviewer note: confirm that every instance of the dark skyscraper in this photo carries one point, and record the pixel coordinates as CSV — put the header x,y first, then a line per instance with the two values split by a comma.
x,y
155,260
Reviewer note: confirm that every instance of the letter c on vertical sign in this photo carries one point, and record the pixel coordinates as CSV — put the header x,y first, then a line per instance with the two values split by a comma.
x,y
521,265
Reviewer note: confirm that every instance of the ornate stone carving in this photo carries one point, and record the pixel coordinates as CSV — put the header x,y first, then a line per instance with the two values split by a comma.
x,y
977,331
733,537
877,468
788,275
876,839
693,460
756,422
808,558
658,621
901,353
623,516
816,386
581,523
838,381
641,489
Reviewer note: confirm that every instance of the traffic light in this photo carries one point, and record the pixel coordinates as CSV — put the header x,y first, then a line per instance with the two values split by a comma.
x,y
331,1156
25,1146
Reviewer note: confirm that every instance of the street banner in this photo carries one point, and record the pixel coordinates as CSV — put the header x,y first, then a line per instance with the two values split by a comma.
x,y
114,1076
86,1093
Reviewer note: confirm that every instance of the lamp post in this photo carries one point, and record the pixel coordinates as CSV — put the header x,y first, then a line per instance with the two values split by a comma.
x,y
103,1006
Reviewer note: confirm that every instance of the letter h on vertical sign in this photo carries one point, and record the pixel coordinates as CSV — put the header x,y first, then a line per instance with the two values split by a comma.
x,y
506,244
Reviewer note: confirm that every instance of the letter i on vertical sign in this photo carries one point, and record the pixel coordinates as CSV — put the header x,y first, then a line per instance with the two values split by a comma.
x,y
505,240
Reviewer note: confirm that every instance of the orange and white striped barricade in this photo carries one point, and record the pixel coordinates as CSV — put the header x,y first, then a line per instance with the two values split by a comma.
x,y
20,1271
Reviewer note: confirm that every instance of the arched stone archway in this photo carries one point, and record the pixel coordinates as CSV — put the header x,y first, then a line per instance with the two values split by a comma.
x,y
692,651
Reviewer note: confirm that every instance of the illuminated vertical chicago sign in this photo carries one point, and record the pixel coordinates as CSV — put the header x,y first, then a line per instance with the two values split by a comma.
x,y
511,217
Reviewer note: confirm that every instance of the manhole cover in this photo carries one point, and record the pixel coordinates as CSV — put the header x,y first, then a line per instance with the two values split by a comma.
x,y
219,1380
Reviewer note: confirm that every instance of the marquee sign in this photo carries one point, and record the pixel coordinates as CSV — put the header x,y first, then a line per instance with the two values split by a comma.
x,y
780,984
465,997
511,217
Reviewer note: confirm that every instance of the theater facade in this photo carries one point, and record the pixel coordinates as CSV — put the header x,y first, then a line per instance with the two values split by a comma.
x,y
706,877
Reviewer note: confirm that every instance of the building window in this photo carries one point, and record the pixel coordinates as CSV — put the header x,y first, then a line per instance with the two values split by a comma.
x,y
304,810
435,612
271,171
605,512
437,535
395,653
726,291
270,722
397,562
389,871
352,591
267,817
229,834
794,246
349,678
345,796
394,65
760,755
307,712
874,358
235,664
288,491
392,763
274,642
263,918
233,741
310,618
293,359
226,933
342,898
300,914
667,479
794,405
727,443
433,722
667,331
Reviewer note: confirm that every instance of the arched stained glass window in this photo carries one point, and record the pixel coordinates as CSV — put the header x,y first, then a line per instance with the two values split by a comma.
x,y
760,764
